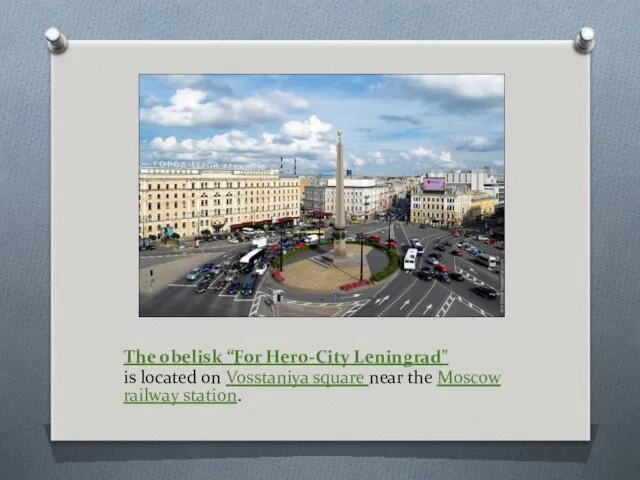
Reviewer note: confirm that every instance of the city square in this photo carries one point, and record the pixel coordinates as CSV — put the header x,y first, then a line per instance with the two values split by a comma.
x,y
278,239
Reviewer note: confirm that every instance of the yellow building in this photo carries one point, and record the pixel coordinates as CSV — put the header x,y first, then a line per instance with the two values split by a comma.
x,y
445,209
188,201
483,205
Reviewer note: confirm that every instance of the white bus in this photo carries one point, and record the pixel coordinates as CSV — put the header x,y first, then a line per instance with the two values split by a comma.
x,y
410,259
251,257
486,260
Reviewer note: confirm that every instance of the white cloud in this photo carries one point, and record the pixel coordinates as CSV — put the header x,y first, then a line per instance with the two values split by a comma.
x,y
307,141
423,154
189,107
479,144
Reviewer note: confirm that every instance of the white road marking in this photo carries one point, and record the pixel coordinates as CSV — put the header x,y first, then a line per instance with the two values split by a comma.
x,y
446,305
422,299
428,308
397,299
406,302
382,300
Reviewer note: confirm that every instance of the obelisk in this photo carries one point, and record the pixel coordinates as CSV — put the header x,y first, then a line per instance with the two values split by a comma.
x,y
339,234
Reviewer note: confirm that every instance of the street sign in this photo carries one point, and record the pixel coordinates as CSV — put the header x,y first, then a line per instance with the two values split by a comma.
x,y
335,296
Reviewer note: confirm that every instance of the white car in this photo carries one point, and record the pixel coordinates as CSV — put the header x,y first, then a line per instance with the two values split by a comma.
x,y
194,274
351,239
482,237
433,261
261,269
233,240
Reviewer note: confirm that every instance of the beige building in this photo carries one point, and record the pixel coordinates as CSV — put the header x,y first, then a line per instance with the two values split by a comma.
x,y
483,205
447,209
188,201
451,208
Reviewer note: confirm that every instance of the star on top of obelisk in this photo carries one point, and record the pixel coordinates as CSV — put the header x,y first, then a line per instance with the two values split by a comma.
x,y
339,135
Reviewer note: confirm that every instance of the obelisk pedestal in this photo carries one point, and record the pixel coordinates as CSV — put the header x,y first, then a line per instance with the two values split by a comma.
x,y
339,234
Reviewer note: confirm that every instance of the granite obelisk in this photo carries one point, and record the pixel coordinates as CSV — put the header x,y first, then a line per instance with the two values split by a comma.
x,y
339,234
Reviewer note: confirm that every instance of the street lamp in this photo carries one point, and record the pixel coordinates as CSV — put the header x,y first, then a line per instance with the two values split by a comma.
x,y
361,238
281,249
389,237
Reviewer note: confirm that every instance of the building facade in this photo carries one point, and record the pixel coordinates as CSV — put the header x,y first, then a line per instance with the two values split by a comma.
x,y
189,201
484,180
364,198
447,209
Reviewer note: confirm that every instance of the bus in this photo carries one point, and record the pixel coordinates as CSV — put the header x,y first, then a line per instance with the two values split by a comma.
x,y
252,257
486,260
410,259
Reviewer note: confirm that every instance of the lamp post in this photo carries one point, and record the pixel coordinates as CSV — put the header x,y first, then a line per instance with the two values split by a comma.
x,y
361,238
281,249
389,237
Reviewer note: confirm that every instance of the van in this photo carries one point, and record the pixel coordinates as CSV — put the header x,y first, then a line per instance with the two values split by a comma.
x,y
247,230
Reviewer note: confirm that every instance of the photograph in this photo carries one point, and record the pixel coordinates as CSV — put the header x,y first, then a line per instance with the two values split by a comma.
x,y
338,195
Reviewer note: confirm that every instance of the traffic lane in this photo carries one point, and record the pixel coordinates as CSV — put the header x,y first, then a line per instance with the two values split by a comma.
x,y
426,298
386,295
480,272
465,291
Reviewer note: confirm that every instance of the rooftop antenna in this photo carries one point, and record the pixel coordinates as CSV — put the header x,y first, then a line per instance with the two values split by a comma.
x,y
294,166
280,164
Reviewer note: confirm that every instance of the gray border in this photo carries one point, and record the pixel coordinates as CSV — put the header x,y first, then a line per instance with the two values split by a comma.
x,y
25,154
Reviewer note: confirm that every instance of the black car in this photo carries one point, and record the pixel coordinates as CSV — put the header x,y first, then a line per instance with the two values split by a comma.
x,y
208,276
234,288
203,286
425,275
436,255
458,277
428,268
485,292
247,288
247,268
441,248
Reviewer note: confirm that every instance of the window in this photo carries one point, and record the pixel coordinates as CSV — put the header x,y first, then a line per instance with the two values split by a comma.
x,y
159,206
149,205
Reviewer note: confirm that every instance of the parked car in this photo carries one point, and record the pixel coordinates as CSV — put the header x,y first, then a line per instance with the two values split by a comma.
x,y
456,253
482,238
486,292
458,277
234,288
233,240
443,277
261,269
219,286
203,286
441,268
194,274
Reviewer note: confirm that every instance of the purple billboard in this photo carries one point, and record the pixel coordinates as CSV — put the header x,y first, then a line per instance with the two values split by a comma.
x,y
433,184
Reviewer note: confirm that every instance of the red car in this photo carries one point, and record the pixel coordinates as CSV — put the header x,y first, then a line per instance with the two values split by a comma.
x,y
373,238
491,241
392,244
457,253
441,268
218,287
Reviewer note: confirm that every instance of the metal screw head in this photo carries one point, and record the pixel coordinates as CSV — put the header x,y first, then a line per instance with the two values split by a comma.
x,y
56,41
585,40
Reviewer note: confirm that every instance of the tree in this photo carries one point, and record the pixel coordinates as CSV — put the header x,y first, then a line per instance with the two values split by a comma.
x,y
175,235
206,232
152,237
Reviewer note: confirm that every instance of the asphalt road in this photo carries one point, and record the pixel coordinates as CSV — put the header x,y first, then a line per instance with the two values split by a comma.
x,y
403,296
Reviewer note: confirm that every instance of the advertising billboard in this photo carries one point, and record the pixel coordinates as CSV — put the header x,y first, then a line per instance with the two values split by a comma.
x,y
433,185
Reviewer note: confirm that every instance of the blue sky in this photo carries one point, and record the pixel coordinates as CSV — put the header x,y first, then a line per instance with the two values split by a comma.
x,y
393,125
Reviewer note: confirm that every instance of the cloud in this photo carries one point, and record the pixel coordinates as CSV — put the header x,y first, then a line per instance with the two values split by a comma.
x,y
307,141
401,118
479,144
422,154
374,158
454,93
189,108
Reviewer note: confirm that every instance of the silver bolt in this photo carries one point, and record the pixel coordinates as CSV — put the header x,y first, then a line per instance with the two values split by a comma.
x,y
56,41
586,40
